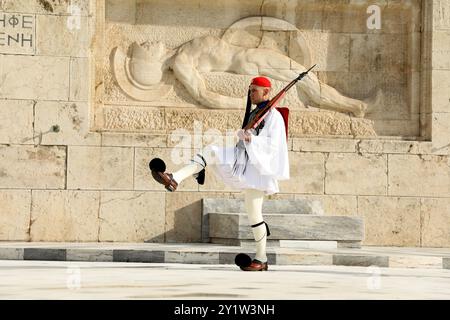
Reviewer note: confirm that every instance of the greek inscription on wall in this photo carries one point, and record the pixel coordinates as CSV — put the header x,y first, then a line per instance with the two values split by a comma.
x,y
17,33
443,15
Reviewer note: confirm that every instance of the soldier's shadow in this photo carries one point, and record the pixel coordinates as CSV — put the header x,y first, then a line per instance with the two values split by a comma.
x,y
183,224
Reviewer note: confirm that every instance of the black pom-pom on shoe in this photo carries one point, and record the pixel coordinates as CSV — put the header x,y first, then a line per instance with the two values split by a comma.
x,y
242,260
158,165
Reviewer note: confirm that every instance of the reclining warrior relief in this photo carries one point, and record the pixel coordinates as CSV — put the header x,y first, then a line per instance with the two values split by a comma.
x,y
140,73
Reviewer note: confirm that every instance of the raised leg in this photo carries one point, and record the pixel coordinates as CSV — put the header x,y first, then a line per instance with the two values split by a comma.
x,y
198,163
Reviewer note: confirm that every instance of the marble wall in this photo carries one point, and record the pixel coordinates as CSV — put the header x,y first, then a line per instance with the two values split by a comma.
x,y
75,146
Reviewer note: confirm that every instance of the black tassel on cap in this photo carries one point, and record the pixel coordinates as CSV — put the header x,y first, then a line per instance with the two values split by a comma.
x,y
239,168
247,110
240,153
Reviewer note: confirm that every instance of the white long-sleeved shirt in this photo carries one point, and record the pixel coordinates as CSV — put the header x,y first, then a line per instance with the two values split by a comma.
x,y
268,158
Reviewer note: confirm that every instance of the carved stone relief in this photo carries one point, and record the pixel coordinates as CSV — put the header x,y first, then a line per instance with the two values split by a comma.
x,y
175,66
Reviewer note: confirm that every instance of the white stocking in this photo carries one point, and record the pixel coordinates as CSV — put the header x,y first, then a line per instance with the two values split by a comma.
x,y
197,164
253,205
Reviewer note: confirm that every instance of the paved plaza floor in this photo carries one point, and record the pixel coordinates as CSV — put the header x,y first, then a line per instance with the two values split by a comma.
x,y
116,280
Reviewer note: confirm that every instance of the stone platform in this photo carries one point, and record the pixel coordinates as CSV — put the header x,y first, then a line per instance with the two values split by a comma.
x,y
203,253
225,222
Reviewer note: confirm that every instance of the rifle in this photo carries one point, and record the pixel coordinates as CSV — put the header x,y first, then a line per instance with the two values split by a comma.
x,y
261,114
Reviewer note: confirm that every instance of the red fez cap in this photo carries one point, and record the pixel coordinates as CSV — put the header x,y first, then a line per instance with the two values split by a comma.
x,y
262,82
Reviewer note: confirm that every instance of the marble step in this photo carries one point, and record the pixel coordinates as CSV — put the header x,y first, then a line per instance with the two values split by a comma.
x,y
300,206
308,244
294,244
219,205
288,227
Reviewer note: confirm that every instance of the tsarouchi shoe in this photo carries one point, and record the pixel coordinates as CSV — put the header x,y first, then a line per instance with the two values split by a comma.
x,y
256,265
165,179
157,167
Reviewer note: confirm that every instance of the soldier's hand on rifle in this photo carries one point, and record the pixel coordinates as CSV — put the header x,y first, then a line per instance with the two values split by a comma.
x,y
244,135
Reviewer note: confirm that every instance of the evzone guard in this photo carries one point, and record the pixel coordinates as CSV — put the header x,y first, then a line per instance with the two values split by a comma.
x,y
255,165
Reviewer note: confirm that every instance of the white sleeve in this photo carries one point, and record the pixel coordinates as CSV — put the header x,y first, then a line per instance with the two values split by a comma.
x,y
268,151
